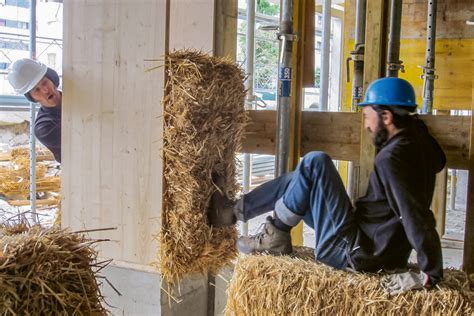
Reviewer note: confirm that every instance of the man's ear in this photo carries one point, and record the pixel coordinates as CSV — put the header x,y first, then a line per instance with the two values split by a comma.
x,y
387,117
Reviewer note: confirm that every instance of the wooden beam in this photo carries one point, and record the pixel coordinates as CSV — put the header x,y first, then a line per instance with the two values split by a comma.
x,y
337,133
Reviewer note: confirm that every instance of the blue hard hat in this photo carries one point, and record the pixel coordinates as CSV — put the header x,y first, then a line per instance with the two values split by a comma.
x,y
390,91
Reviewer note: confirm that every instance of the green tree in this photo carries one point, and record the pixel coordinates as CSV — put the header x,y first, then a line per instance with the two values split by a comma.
x,y
266,49
265,7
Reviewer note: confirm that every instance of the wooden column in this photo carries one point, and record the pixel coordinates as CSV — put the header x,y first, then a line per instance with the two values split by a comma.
x,y
191,25
374,65
225,34
299,48
438,204
112,126
468,259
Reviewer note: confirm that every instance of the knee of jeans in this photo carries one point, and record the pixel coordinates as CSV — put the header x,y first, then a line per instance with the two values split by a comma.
x,y
317,157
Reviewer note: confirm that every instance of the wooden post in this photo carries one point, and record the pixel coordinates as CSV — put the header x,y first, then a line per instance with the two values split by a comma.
x,y
299,49
374,65
439,201
439,197
468,259
225,28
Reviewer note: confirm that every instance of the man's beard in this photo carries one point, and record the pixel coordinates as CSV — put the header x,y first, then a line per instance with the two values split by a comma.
x,y
381,136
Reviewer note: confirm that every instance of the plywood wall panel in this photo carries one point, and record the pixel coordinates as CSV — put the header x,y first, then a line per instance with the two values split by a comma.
x,y
112,126
192,25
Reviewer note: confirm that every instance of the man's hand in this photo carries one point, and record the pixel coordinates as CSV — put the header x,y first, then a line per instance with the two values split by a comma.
x,y
402,282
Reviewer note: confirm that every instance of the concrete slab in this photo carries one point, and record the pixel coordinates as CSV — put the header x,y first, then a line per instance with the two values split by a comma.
x,y
140,291
189,298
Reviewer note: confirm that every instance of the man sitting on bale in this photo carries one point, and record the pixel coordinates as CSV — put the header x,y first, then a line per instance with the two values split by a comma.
x,y
382,228
39,84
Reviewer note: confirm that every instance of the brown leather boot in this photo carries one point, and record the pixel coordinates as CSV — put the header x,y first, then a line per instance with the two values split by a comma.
x,y
270,240
221,211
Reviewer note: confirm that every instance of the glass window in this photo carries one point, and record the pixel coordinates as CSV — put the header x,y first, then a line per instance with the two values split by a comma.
x,y
18,3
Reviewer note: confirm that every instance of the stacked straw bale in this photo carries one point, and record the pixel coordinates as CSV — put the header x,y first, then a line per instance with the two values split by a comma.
x,y
47,272
41,153
266,285
15,178
204,121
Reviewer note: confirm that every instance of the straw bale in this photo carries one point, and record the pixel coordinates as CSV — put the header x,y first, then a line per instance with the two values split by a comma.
x,y
204,121
41,153
267,285
19,169
21,188
48,272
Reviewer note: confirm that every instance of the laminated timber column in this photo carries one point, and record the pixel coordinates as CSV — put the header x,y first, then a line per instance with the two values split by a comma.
x,y
111,139
468,255
303,76
374,61
202,25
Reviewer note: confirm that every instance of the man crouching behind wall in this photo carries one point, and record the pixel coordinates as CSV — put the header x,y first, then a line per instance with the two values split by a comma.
x,y
39,84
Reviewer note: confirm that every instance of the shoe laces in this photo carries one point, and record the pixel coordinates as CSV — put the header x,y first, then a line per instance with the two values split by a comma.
x,y
263,232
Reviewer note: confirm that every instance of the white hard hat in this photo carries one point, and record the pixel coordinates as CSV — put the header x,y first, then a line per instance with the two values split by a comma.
x,y
25,74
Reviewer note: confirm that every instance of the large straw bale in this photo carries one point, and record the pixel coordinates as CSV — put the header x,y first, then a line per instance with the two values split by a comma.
x,y
267,285
47,272
204,120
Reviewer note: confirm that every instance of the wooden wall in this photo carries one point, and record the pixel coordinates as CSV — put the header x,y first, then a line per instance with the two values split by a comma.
x,y
112,126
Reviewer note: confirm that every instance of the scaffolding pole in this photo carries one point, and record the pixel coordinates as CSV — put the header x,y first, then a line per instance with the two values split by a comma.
x,y
429,70
286,38
393,56
326,36
249,85
32,51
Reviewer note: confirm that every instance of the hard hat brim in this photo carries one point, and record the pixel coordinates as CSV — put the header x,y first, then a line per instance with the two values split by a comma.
x,y
411,105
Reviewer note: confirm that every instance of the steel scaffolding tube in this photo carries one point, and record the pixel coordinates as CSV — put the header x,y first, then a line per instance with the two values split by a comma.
x,y
326,34
393,55
429,70
249,85
286,37
32,51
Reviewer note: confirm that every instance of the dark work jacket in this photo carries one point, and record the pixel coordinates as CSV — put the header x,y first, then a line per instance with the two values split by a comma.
x,y
394,216
48,129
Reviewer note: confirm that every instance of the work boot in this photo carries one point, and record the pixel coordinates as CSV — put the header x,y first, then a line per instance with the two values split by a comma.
x,y
221,208
270,240
221,211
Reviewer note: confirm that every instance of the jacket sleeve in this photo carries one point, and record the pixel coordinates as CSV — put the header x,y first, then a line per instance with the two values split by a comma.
x,y
49,134
417,220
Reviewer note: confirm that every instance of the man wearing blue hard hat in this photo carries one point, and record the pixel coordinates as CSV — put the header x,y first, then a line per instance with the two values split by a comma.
x,y
382,228
39,83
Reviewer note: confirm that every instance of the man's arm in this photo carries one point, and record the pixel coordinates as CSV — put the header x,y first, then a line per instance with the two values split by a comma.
x,y
418,221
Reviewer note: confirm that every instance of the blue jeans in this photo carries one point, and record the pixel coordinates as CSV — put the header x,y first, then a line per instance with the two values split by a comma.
x,y
315,193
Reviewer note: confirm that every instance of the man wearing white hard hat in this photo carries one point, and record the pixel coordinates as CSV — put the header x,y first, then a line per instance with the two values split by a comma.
x,y
39,83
